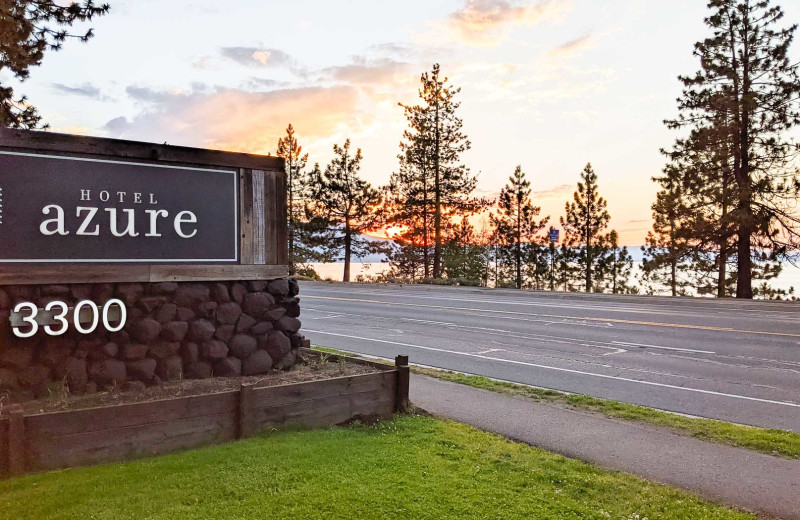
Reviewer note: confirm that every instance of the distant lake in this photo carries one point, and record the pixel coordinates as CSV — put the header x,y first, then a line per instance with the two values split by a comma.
x,y
790,276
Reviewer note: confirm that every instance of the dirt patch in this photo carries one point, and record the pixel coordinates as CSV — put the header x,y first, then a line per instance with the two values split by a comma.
x,y
310,369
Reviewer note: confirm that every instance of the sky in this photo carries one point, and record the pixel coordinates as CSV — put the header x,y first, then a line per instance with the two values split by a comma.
x,y
547,84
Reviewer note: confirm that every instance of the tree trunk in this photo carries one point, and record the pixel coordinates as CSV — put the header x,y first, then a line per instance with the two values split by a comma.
x,y
347,251
722,271
614,275
425,245
674,276
588,261
518,249
722,274
744,263
290,212
744,273
437,217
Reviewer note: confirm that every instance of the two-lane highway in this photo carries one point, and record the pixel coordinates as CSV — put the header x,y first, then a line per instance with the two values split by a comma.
x,y
724,359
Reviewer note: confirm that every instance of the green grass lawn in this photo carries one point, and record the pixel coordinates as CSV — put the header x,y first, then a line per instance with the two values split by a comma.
x,y
408,468
773,442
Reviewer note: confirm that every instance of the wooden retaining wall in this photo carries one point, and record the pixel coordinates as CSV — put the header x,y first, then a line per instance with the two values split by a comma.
x,y
42,442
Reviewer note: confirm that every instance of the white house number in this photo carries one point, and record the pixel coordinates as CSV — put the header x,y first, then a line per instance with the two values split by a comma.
x,y
61,316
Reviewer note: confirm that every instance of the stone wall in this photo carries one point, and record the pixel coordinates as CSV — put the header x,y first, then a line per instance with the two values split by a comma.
x,y
173,331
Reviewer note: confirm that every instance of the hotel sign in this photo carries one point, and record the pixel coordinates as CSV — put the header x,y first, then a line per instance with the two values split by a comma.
x,y
60,209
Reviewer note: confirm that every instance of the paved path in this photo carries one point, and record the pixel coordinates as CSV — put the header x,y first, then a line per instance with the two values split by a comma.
x,y
752,481
737,361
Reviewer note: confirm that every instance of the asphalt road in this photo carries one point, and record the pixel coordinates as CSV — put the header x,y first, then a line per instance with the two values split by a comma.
x,y
724,359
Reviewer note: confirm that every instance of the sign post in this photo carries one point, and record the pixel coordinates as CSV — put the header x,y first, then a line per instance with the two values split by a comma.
x,y
553,236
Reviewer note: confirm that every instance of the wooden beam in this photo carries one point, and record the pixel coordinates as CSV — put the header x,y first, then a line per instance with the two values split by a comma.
x,y
271,222
245,411
186,273
260,200
111,273
403,379
16,442
282,235
42,142
246,216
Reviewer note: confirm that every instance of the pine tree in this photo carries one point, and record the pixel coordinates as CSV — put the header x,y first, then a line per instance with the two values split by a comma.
x,y
746,94
29,28
616,267
568,273
296,190
409,194
347,203
464,258
701,169
536,264
667,251
437,141
516,223
406,261
585,220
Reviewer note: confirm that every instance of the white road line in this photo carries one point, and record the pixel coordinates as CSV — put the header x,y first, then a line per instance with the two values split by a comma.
x,y
626,344
559,369
490,351
617,351
542,338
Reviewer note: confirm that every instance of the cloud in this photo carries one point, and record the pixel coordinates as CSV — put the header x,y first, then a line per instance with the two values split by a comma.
x,y
204,63
393,49
239,120
573,47
483,22
255,83
363,71
259,57
86,90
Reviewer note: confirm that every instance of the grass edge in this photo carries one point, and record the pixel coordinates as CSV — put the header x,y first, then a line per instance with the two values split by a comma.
x,y
778,443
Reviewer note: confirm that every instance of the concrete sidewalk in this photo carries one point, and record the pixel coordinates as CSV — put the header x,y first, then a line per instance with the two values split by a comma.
x,y
763,484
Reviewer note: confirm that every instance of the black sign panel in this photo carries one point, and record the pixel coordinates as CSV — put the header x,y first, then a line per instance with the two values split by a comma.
x,y
72,209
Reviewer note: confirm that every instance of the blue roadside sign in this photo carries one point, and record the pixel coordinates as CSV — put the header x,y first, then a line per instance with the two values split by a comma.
x,y
553,235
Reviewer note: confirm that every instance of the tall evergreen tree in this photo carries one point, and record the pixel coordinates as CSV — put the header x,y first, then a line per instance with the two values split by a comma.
x,y
434,142
667,251
347,203
516,222
701,170
29,28
410,201
585,221
746,94
296,190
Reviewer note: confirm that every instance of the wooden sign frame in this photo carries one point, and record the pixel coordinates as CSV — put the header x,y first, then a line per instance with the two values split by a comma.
x,y
262,212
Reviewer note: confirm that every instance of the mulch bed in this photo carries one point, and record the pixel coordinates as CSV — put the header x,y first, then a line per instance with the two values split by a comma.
x,y
310,369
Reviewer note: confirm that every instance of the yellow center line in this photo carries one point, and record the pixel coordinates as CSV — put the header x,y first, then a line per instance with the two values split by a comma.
x,y
608,320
